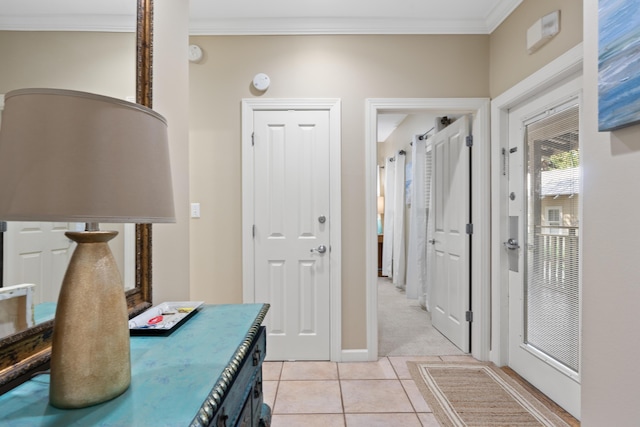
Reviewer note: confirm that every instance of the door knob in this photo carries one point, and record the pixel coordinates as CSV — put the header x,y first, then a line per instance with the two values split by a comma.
x,y
320,249
511,244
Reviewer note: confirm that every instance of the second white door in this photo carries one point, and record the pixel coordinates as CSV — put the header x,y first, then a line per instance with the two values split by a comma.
x,y
292,230
451,242
38,253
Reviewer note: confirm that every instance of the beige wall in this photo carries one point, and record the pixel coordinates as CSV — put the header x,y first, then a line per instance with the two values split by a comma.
x,y
351,68
171,99
611,288
102,63
510,62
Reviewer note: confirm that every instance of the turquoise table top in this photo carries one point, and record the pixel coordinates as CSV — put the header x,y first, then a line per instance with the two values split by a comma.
x,y
171,376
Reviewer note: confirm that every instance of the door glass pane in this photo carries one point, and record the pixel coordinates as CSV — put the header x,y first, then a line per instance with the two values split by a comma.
x,y
552,285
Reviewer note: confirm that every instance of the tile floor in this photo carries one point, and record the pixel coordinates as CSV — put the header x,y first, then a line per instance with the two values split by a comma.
x,y
330,394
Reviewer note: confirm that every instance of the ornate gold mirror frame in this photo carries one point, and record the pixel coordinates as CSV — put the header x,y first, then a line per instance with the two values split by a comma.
x,y
29,351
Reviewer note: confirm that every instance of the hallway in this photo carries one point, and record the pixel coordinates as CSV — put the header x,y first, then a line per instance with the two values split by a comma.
x,y
404,327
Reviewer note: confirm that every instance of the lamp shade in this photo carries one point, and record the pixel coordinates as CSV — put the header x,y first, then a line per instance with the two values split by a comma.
x,y
68,156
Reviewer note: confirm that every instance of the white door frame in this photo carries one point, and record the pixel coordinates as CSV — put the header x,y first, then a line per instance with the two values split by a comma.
x,y
480,246
556,72
335,211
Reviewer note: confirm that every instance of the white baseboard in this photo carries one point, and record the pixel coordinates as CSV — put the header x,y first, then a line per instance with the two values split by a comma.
x,y
361,355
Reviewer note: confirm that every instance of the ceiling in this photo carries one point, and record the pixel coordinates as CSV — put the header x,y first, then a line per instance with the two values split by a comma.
x,y
271,17
387,123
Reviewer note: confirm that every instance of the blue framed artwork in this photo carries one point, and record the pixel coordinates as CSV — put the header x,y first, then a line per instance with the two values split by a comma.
x,y
618,64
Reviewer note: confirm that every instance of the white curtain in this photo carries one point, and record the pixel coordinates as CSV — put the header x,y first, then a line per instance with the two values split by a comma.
x,y
387,231
399,262
416,252
424,297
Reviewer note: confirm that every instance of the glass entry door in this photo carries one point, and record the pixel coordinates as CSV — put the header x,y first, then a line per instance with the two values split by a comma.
x,y
544,245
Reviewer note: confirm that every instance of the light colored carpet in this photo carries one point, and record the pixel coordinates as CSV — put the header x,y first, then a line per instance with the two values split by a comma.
x,y
404,327
478,394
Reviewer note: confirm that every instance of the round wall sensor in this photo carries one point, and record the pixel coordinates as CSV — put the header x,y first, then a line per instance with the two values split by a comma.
x,y
195,53
261,81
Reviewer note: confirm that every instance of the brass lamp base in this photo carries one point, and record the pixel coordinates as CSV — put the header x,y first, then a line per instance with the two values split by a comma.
x,y
90,354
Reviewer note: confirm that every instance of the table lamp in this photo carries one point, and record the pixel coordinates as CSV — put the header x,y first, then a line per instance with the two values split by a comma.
x,y
68,156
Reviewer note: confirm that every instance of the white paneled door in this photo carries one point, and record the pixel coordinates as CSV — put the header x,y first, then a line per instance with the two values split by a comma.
x,y
543,244
38,253
451,240
292,229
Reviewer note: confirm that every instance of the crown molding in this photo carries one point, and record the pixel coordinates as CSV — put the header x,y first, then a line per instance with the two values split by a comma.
x,y
310,26
112,22
499,13
69,22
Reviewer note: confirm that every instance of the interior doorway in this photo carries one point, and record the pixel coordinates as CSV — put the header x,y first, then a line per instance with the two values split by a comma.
x,y
404,324
478,107
424,188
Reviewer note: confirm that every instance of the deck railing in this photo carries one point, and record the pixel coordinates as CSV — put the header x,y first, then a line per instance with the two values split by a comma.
x,y
555,252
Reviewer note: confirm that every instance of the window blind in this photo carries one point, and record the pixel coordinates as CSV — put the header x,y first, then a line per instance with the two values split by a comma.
x,y
552,288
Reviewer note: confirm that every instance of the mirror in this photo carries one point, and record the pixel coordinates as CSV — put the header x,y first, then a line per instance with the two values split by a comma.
x,y
37,254
29,351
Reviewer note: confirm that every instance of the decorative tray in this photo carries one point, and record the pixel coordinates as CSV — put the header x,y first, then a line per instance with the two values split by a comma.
x,y
163,319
